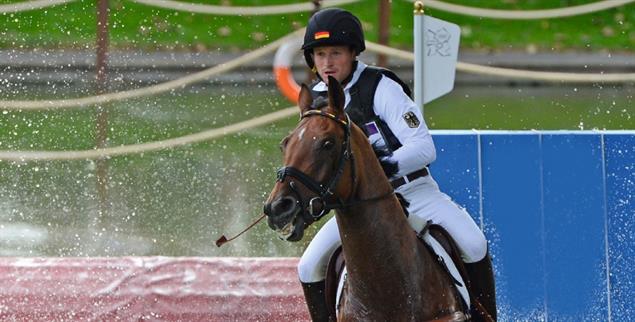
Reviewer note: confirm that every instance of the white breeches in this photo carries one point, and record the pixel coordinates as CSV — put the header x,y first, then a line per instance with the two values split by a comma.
x,y
427,202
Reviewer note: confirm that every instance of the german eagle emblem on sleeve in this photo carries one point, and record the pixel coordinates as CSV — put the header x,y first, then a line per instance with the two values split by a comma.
x,y
411,119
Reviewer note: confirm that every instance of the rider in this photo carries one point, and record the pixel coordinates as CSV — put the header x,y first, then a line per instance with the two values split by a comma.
x,y
332,42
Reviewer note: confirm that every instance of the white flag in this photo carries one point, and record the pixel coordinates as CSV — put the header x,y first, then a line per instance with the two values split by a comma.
x,y
440,54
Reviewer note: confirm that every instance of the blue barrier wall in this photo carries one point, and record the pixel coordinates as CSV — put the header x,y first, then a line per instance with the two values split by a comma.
x,y
558,208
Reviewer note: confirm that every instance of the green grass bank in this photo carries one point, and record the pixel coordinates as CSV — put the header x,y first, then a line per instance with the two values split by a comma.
x,y
138,26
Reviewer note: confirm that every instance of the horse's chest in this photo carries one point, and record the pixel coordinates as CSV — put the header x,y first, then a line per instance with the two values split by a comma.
x,y
355,309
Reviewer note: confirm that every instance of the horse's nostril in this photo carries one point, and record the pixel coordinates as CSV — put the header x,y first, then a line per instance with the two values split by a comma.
x,y
284,205
267,209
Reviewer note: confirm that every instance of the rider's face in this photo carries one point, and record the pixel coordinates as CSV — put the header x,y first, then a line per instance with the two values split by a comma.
x,y
335,61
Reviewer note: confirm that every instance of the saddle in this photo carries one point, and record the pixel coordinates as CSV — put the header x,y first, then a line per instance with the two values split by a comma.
x,y
334,272
336,266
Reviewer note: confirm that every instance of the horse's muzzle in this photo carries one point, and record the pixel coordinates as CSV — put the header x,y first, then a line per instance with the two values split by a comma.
x,y
281,213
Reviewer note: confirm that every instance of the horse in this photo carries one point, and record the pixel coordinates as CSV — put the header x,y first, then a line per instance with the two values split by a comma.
x,y
329,164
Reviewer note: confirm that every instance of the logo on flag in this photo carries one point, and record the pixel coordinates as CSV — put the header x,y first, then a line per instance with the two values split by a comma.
x,y
321,34
439,43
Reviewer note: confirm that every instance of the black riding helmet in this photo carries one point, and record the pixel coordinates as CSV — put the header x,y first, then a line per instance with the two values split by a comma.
x,y
332,26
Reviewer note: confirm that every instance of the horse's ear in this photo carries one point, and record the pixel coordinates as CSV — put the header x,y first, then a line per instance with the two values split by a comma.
x,y
305,99
336,95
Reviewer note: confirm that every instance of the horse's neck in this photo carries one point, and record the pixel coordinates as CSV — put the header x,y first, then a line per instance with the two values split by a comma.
x,y
387,266
377,240
375,234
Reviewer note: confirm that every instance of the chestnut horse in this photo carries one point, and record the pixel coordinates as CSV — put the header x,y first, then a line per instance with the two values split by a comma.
x,y
329,164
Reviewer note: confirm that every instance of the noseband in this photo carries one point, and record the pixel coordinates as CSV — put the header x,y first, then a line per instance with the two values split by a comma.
x,y
324,192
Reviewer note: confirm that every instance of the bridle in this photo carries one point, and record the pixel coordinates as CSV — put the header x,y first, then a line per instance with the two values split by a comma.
x,y
319,205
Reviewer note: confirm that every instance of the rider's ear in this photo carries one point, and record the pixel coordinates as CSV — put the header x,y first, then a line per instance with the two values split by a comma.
x,y
336,95
305,99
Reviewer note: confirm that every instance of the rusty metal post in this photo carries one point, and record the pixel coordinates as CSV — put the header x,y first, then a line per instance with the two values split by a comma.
x,y
384,30
102,110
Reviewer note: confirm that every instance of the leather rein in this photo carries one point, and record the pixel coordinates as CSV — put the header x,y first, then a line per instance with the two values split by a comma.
x,y
319,205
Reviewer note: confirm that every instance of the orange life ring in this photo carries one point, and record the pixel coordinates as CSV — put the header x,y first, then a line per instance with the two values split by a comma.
x,y
282,69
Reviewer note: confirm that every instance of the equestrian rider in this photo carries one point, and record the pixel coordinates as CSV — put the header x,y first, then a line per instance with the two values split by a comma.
x,y
332,42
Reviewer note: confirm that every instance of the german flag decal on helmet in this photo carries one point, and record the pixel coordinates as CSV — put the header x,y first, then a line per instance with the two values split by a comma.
x,y
321,35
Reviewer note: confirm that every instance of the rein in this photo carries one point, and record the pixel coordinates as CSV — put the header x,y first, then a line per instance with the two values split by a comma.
x,y
318,206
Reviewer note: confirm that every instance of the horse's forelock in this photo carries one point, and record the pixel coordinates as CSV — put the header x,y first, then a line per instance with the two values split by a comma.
x,y
319,102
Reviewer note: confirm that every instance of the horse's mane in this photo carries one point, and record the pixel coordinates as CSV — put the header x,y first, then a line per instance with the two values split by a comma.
x,y
319,102
390,169
383,154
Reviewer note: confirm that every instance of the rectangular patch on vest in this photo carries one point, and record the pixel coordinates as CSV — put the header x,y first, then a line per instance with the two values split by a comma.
x,y
375,136
411,119
371,128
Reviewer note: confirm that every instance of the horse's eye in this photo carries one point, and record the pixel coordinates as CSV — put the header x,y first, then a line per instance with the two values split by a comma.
x,y
328,145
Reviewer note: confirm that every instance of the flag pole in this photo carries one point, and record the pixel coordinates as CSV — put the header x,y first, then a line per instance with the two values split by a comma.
x,y
419,53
